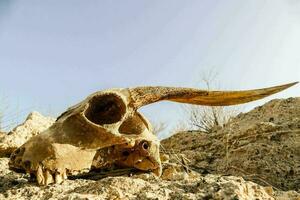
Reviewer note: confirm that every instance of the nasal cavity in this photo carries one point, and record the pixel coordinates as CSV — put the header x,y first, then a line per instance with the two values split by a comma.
x,y
105,109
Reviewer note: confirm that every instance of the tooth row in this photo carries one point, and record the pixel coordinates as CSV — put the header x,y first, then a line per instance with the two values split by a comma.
x,y
45,177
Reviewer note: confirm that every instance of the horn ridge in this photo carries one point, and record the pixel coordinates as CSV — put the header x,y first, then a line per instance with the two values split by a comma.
x,y
142,96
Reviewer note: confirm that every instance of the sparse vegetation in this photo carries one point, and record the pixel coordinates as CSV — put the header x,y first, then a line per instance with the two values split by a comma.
x,y
208,118
180,127
158,127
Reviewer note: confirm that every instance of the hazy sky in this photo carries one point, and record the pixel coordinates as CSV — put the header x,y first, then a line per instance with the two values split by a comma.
x,y
53,53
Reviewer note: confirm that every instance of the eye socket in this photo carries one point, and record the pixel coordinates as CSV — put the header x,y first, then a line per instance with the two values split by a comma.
x,y
105,109
145,145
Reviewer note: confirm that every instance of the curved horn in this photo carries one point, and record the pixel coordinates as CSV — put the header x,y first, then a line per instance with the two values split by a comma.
x,y
142,96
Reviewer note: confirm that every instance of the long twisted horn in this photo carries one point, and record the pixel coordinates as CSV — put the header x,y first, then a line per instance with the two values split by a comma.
x,y
142,96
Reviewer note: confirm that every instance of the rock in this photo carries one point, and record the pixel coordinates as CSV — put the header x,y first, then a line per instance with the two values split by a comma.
x,y
2,134
34,124
15,186
174,172
262,145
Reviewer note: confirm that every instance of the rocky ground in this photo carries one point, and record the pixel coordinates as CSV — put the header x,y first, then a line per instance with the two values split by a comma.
x,y
256,156
262,145
174,184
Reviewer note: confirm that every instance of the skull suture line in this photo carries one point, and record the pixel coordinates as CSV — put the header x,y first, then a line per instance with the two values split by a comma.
x,y
106,129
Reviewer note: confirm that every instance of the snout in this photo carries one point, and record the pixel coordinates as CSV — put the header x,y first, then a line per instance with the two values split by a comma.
x,y
149,159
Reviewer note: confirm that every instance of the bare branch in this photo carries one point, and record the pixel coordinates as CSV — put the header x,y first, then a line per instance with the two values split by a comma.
x,y
208,118
158,127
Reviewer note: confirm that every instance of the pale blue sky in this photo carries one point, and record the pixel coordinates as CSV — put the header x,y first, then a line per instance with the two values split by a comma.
x,y
53,53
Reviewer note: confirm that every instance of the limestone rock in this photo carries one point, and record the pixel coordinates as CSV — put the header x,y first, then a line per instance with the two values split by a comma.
x,y
34,124
2,134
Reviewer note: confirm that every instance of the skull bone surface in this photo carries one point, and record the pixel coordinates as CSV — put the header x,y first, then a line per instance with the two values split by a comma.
x,y
104,122
106,130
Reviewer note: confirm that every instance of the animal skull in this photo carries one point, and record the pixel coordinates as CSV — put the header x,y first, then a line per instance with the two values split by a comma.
x,y
106,130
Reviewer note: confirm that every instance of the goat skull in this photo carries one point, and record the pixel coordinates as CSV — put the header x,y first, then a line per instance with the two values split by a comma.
x,y
106,129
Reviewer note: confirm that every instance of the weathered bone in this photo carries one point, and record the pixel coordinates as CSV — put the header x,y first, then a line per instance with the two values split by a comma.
x,y
106,130
147,95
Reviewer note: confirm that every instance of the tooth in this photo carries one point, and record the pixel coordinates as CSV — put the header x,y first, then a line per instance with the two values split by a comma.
x,y
157,171
58,178
39,176
64,175
48,177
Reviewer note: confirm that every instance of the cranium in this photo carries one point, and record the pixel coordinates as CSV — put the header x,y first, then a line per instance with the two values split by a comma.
x,y
106,130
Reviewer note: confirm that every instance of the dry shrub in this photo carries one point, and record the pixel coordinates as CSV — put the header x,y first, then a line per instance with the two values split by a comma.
x,y
209,118
158,127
